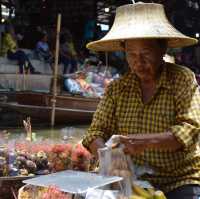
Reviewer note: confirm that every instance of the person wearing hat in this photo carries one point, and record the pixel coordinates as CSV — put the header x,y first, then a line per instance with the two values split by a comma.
x,y
155,106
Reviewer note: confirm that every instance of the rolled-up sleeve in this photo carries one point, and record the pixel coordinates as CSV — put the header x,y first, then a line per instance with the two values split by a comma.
x,y
187,106
103,124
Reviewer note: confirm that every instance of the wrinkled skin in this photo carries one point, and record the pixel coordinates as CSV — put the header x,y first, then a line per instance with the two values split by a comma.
x,y
145,58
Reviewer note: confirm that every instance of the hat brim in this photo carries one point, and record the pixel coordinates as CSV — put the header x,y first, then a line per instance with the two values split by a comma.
x,y
116,44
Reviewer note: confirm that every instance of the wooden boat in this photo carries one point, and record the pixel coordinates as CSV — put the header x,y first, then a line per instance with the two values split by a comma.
x,y
69,108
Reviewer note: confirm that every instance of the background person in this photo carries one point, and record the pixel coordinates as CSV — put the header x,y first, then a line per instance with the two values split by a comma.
x,y
10,48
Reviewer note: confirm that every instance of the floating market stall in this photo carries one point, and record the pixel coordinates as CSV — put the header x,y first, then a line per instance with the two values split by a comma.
x,y
62,169
25,159
67,172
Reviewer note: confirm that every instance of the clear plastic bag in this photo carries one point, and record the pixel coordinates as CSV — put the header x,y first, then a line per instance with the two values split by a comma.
x,y
137,170
113,162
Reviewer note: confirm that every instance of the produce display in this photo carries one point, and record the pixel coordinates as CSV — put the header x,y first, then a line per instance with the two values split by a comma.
x,y
29,158
141,193
52,192
28,192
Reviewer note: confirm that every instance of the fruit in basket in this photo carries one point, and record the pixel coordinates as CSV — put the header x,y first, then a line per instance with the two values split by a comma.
x,y
150,193
3,151
31,166
64,155
141,191
159,195
59,165
137,197
21,160
41,160
21,153
23,172
41,155
32,157
80,158
42,163
53,192
50,166
58,148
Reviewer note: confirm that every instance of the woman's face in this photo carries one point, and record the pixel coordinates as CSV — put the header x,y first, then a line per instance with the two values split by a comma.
x,y
144,57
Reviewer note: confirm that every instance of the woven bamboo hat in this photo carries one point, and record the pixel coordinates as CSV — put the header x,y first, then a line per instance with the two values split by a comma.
x,y
140,21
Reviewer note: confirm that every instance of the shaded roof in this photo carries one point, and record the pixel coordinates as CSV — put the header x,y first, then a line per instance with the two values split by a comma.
x,y
183,13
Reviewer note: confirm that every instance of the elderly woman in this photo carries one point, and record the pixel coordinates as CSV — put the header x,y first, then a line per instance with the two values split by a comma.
x,y
155,107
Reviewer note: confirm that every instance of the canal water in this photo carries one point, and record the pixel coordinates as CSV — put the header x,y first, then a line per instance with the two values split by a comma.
x,y
72,134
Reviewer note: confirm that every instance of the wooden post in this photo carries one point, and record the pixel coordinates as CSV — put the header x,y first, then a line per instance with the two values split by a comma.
x,y
17,74
55,74
28,128
24,79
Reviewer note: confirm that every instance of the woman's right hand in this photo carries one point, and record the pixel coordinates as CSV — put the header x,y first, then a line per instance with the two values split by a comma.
x,y
95,145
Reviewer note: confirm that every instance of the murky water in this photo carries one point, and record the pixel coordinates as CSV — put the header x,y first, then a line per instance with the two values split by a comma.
x,y
73,134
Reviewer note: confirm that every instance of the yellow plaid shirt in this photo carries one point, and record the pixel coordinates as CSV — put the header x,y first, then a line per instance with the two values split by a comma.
x,y
175,107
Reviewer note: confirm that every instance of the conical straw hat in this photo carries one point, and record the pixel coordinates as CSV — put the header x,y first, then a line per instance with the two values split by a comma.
x,y
140,21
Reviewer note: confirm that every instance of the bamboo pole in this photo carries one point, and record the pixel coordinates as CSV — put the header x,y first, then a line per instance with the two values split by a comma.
x,y
55,74
28,128
16,87
24,79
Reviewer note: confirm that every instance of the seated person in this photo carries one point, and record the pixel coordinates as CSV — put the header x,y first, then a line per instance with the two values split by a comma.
x,y
10,48
42,49
68,55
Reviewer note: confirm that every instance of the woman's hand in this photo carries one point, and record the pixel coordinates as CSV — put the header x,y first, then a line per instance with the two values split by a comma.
x,y
133,146
95,145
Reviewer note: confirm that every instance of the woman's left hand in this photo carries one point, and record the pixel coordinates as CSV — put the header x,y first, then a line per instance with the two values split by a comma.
x,y
133,146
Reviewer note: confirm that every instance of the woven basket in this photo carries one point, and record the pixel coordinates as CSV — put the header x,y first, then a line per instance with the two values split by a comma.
x,y
21,192
33,192
28,192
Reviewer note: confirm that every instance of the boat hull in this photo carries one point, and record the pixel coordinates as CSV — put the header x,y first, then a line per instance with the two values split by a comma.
x,y
76,109
43,113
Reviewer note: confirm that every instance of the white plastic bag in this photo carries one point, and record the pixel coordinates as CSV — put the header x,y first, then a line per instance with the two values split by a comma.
x,y
101,194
